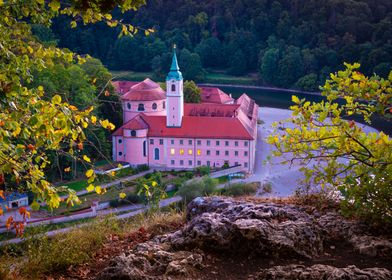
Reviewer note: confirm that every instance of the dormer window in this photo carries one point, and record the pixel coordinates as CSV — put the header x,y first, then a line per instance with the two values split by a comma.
x,y
173,87
129,106
140,107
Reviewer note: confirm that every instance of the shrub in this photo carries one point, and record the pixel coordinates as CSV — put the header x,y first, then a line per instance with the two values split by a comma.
x,y
239,189
203,170
189,175
141,168
197,187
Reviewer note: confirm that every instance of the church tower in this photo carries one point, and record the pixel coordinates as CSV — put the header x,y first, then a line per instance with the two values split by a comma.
x,y
174,94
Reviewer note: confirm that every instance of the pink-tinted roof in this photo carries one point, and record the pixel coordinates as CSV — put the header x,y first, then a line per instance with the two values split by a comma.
x,y
147,90
136,123
198,127
210,109
214,95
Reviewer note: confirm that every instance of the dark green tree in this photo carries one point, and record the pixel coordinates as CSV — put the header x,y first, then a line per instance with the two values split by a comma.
x,y
191,92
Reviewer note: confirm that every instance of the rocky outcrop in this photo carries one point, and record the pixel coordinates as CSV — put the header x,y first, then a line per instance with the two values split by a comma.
x,y
266,229
150,260
319,271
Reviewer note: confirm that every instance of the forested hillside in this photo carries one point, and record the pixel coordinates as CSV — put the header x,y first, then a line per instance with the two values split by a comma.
x,y
290,43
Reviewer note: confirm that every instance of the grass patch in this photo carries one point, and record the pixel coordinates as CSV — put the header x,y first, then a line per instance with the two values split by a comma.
x,y
131,76
40,257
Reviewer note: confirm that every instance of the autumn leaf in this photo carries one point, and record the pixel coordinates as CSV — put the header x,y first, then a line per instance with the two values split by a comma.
x,y
67,169
98,189
122,195
2,194
90,188
89,173
86,158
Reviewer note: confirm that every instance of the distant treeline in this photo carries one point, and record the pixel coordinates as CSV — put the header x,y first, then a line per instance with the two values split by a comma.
x,y
290,43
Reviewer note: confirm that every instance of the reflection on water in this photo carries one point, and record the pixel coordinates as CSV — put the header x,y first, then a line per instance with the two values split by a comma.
x,y
282,99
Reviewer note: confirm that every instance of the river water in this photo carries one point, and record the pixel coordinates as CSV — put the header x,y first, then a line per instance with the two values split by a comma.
x,y
282,99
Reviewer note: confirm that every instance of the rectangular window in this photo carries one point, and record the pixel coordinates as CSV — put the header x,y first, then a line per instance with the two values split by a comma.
x,y
190,152
172,162
208,163
189,142
217,143
236,143
181,151
181,162
226,153
172,141
246,143
236,153
199,152
226,143
172,151
198,162
151,141
217,153
245,164
160,141
236,163
181,142
189,162
246,153
198,142
208,152
208,142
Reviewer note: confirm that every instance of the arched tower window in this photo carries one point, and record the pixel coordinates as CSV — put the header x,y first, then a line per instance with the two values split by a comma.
x,y
133,133
173,87
140,107
129,106
156,154
154,106
144,148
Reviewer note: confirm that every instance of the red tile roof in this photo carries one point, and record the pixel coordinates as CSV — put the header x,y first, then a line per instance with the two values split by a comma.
x,y
198,127
147,90
210,109
214,95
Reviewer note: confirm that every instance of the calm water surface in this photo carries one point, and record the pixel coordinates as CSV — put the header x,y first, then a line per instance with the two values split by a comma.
x,y
282,99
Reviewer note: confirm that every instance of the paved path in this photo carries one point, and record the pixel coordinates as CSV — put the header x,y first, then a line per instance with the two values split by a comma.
x,y
132,213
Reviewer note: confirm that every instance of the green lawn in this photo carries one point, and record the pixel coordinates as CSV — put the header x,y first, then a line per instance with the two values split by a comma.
x,y
212,77
221,78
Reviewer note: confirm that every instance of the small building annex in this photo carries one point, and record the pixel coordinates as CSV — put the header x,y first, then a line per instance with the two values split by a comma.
x,y
160,130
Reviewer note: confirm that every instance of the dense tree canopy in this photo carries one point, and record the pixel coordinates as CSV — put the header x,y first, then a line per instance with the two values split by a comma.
x,y
338,154
276,38
35,121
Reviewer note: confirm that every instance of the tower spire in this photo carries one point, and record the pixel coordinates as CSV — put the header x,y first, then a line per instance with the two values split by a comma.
x,y
174,68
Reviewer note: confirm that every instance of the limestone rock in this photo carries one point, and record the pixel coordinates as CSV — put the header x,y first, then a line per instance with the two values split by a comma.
x,y
319,271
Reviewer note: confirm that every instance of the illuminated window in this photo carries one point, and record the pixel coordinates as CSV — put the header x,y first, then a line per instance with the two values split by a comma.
x,y
181,151
199,152
172,151
190,152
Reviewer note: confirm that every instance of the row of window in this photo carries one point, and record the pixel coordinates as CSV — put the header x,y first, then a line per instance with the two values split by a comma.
x,y
208,163
208,152
141,108
190,142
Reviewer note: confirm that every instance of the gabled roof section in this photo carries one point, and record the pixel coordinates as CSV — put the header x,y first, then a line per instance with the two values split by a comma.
x,y
214,95
134,124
